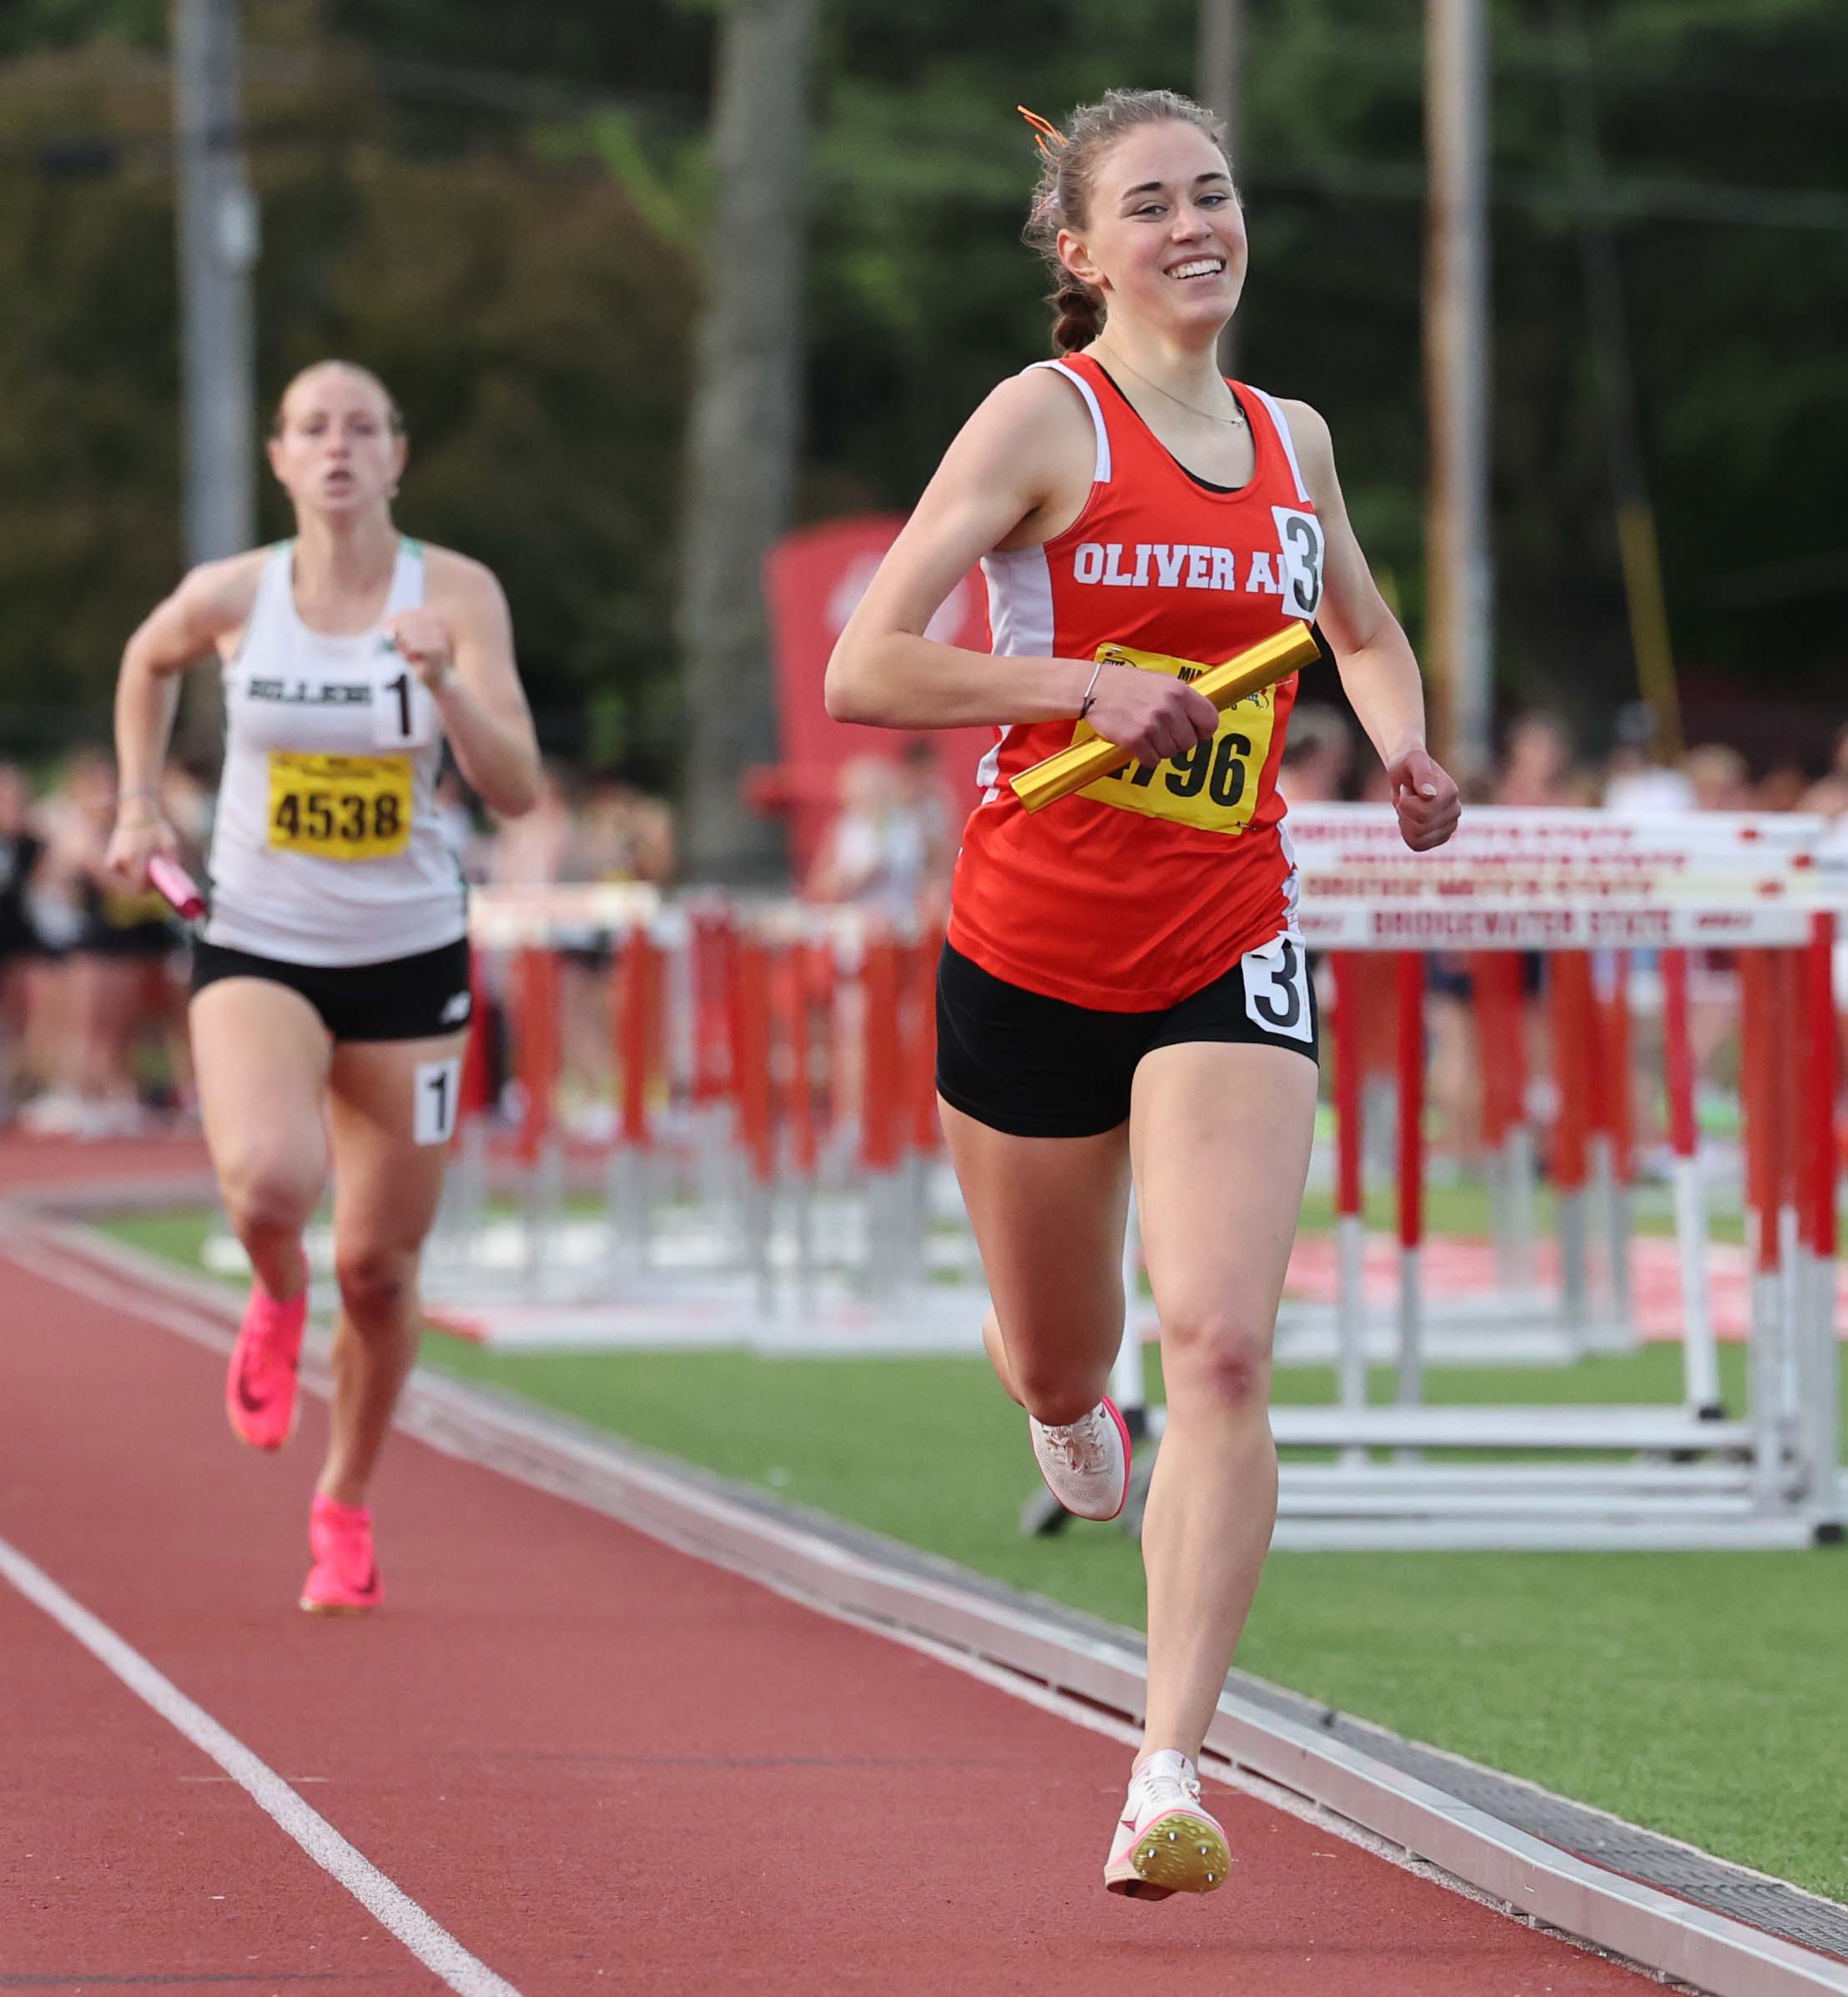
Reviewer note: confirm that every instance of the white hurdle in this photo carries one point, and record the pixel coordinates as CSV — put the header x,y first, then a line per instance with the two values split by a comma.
x,y
1665,1475
753,1191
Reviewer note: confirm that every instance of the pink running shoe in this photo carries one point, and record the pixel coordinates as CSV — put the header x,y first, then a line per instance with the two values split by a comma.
x,y
260,1391
1167,1841
1086,1462
343,1580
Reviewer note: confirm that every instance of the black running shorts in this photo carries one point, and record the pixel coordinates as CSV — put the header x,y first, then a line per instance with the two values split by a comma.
x,y
1038,1067
420,997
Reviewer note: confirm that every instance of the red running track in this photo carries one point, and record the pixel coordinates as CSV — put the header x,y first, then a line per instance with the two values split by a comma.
x,y
599,1764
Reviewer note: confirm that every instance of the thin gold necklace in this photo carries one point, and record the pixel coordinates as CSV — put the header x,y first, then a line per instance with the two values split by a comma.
x,y
1237,419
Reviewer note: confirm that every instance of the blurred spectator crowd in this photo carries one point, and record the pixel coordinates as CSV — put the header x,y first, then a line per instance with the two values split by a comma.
x,y
92,980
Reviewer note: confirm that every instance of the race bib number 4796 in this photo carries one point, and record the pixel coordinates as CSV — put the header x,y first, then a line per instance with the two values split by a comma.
x,y
340,808
1214,786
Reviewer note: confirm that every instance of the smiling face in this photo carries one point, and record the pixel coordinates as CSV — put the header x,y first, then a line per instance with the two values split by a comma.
x,y
1162,239
337,448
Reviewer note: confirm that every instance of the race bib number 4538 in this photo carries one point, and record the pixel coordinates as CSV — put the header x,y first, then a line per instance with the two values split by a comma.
x,y
340,808
1214,786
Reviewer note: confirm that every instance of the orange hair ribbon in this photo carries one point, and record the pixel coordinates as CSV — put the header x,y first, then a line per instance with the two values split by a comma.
x,y
1050,140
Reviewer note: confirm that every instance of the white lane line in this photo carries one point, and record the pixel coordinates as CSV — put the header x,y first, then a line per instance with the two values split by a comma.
x,y
69,1270
395,1911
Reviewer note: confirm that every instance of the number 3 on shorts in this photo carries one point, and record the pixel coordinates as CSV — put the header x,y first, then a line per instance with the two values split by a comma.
x,y
1276,990
436,1085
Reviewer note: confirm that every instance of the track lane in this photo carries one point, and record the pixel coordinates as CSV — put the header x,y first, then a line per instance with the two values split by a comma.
x,y
126,1855
602,1764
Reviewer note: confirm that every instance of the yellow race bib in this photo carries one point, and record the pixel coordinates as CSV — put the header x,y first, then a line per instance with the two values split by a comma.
x,y
340,808
1214,786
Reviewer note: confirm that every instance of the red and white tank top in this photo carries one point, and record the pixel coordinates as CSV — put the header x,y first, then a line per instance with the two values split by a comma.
x,y
1144,887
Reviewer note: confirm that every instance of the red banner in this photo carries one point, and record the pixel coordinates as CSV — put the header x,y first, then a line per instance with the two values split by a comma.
x,y
813,581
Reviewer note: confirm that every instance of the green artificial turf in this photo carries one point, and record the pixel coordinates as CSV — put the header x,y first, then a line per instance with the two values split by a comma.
x,y
1699,1693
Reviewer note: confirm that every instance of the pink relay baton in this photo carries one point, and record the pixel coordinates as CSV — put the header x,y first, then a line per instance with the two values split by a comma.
x,y
172,883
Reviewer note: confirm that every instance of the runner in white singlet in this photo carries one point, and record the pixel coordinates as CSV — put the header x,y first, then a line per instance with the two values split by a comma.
x,y
330,981
284,884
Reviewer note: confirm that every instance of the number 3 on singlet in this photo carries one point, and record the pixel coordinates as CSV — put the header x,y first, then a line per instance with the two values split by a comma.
x,y
1276,989
1300,541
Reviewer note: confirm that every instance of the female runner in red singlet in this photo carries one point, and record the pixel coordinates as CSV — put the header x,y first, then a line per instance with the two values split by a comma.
x,y
1123,994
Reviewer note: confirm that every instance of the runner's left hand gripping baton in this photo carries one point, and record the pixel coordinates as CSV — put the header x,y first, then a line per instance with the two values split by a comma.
x,y
1246,673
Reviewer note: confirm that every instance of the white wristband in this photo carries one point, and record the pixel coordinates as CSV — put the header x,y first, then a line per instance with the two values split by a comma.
x,y
1090,691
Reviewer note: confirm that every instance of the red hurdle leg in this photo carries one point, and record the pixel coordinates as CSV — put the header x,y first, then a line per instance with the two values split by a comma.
x,y
1349,1089
1571,1035
1408,980
751,1040
1507,1136
1816,1061
1700,1357
1614,1120
1760,1090
639,1033
538,1048
881,1109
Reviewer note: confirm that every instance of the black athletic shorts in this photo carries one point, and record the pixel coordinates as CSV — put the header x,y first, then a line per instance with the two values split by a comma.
x,y
1039,1067
418,997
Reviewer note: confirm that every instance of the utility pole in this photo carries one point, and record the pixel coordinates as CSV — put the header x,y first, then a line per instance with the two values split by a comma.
x,y
1219,69
218,232
1636,542
1458,579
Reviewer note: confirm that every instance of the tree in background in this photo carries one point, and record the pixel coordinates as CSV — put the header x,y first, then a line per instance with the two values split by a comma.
x,y
517,230
742,424
530,320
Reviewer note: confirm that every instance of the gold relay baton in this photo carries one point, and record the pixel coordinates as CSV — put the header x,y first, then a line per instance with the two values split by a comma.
x,y
1245,673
